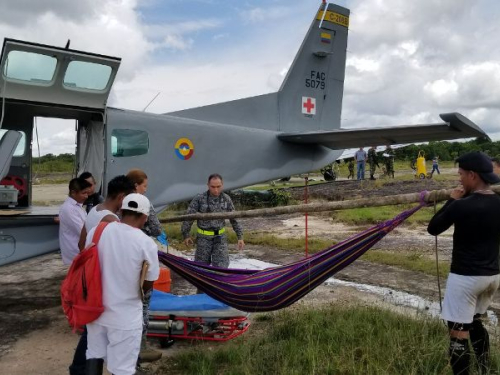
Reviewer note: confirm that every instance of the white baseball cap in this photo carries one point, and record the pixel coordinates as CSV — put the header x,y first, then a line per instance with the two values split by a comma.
x,y
136,202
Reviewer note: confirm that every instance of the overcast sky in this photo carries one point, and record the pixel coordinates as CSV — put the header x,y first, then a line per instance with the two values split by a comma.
x,y
407,61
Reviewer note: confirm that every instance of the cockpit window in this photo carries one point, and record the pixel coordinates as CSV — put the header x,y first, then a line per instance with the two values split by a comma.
x,y
21,146
128,142
86,75
29,66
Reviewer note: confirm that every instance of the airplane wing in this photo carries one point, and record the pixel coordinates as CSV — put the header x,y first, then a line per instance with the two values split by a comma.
x,y
455,126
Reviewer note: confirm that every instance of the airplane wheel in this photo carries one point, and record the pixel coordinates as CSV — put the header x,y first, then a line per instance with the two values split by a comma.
x,y
421,176
330,176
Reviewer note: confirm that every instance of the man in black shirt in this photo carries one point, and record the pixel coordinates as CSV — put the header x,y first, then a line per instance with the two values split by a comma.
x,y
474,275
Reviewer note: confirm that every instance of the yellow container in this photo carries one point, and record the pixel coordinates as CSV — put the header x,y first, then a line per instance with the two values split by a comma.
x,y
421,170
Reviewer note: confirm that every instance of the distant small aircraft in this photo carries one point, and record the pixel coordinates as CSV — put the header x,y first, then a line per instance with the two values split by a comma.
x,y
292,131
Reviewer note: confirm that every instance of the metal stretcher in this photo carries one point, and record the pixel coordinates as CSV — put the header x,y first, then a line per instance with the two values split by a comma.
x,y
196,317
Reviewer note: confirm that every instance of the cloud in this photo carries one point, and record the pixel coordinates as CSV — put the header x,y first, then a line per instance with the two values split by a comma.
x,y
407,61
176,36
24,12
259,15
55,136
108,27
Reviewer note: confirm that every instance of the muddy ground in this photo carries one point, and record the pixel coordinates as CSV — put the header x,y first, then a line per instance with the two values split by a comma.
x,y
35,338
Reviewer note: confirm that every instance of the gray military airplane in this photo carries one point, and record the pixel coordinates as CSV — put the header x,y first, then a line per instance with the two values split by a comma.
x,y
294,130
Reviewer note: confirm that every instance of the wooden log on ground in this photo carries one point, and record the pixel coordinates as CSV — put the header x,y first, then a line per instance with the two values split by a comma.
x,y
429,197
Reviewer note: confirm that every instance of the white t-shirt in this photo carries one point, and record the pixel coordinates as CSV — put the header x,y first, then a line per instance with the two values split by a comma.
x,y
71,219
122,250
94,217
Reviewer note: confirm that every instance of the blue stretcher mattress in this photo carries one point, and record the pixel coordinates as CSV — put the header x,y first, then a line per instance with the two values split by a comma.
x,y
196,305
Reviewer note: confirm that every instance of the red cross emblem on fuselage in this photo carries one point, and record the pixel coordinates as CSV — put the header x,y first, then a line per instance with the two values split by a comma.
x,y
308,105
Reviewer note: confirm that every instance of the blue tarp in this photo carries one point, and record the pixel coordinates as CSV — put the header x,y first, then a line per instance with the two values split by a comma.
x,y
161,301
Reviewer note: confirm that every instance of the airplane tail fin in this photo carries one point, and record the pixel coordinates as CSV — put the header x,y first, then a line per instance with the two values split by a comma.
x,y
310,97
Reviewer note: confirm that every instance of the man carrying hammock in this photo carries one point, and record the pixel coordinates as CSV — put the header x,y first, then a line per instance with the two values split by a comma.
x,y
474,275
211,240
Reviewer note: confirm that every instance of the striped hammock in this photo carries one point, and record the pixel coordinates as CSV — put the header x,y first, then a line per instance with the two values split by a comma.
x,y
278,287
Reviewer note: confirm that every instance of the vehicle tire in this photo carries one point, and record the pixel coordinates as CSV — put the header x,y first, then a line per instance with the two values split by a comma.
x,y
329,175
421,176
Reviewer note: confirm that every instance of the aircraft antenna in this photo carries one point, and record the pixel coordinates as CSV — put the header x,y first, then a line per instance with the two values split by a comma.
x,y
152,100
67,44
324,13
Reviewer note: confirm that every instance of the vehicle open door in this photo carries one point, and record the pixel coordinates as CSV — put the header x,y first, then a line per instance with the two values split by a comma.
x,y
8,144
39,73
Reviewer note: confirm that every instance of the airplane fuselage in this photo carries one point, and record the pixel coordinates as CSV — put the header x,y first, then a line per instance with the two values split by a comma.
x,y
182,153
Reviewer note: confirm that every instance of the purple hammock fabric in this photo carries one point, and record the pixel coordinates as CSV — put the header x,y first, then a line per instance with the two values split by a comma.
x,y
278,287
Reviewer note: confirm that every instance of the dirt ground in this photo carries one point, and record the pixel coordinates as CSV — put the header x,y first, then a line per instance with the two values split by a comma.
x,y
35,337
49,194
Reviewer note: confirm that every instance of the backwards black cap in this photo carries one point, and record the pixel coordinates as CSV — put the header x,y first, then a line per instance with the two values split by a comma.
x,y
480,163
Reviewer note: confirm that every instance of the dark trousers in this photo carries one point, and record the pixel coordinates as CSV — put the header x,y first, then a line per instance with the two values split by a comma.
x,y
80,357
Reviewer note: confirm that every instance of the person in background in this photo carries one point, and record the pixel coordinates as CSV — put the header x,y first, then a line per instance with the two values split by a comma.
x,y
360,157
435,165
496,165
372,160
389,161
474,273
94,197
140,180
151,228
71,219
123,252
350,167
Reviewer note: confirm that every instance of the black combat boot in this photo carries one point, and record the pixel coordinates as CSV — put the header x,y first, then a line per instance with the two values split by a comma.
x,y
94,366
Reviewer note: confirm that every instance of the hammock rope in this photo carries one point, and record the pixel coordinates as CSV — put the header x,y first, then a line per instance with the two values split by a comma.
x,y
278,287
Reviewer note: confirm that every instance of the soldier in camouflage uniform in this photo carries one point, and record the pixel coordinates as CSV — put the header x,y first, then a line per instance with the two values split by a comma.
x,y
372,160
350,166
389,163
211,241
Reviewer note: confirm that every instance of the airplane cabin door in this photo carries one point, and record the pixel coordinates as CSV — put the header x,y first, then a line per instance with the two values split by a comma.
x,y
38,73
8,144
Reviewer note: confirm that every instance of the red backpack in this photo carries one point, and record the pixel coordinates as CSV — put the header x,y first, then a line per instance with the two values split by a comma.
x,y
81,290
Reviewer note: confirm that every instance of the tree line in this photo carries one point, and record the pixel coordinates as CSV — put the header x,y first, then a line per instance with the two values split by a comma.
x,y
54,163
448,151
65,158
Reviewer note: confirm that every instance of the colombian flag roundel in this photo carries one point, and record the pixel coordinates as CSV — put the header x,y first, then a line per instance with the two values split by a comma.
x,y
184,148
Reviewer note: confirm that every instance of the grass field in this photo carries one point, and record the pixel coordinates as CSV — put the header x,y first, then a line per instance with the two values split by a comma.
x,y
333,339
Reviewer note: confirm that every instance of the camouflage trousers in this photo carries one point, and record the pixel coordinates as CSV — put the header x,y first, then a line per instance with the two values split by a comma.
x,y
389,165
212,250
372,168
145,314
